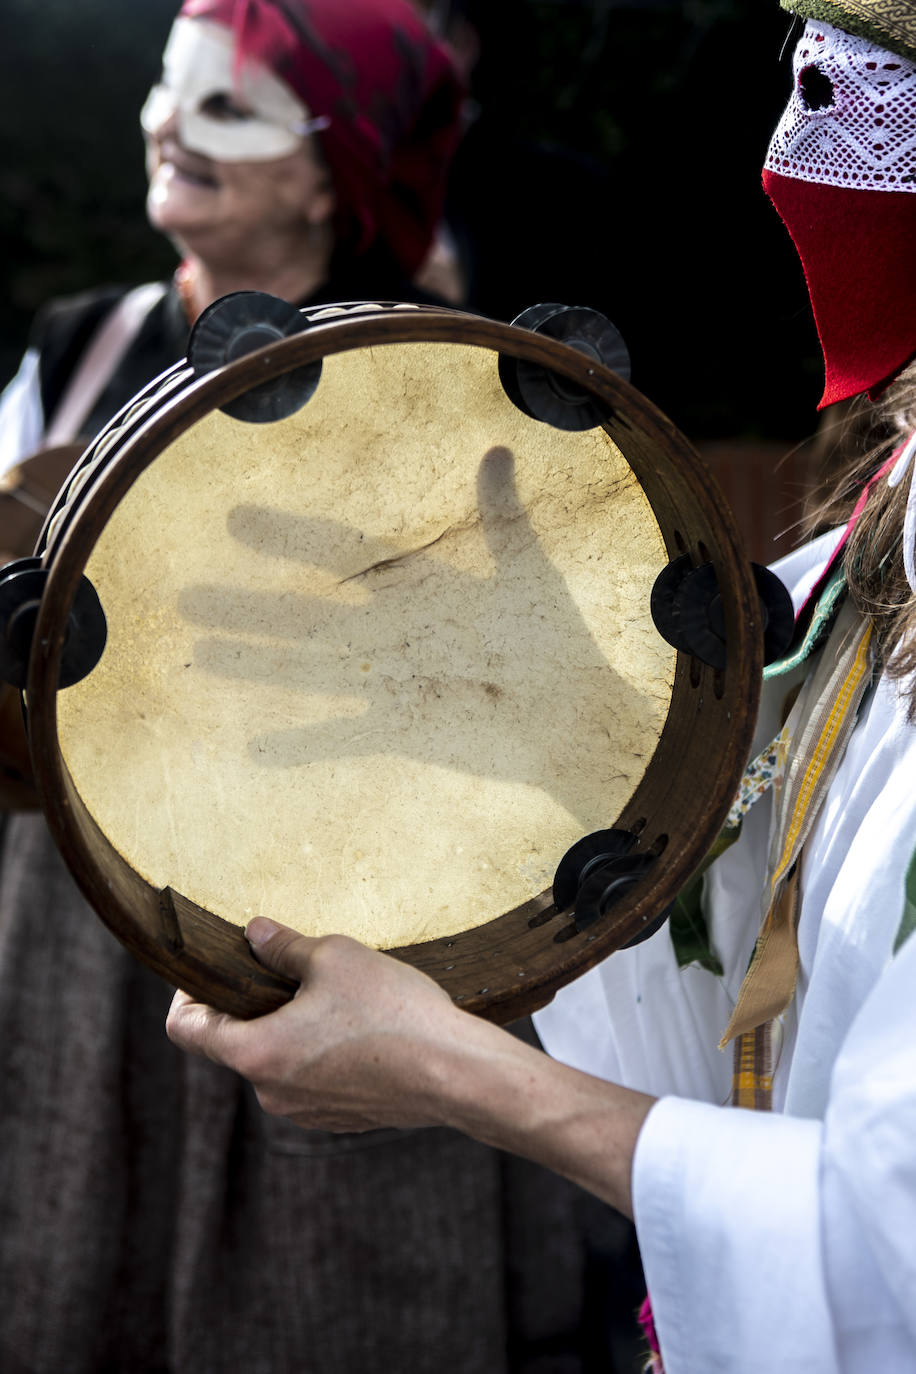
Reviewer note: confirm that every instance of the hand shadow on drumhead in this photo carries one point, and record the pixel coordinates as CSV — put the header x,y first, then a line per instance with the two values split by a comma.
x,y
419,664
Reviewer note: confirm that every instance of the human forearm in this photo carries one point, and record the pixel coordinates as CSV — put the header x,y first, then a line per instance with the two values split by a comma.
x,y
370,1042
505,1093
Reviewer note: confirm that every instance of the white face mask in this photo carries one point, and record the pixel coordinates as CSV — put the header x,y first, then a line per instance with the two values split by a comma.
x,y
245,116
851,119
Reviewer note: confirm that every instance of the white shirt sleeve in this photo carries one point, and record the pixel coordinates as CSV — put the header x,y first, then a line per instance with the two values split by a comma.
x,y
787,1240
726,1204
776,1243
22,420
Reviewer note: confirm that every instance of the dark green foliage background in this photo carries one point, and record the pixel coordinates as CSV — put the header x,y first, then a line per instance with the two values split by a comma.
x,y
669,106
72,78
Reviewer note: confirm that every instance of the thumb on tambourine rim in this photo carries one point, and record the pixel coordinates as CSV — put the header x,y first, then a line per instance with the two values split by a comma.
x,y
200,1029
279,948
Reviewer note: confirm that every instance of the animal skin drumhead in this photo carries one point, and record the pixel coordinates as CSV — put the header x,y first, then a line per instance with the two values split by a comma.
x,y
374,668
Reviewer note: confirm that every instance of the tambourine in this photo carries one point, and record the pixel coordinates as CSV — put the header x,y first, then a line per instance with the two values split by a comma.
x,y
408,625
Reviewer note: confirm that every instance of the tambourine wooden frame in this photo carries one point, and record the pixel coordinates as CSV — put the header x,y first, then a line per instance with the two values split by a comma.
x,y
514,963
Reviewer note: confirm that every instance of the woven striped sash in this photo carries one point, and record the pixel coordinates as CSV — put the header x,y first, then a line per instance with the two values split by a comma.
x,y
819,727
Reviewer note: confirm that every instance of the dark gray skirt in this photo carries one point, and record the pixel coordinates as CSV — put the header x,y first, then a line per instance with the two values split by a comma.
x,y
153,1219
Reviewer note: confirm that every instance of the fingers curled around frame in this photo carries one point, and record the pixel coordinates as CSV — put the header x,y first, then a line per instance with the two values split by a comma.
x,y
200,1029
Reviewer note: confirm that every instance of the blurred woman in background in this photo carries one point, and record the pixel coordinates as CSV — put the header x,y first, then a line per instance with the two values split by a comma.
x,y
151,1218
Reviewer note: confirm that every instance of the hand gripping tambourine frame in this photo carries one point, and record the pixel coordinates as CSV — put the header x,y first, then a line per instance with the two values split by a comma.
x,y
386,701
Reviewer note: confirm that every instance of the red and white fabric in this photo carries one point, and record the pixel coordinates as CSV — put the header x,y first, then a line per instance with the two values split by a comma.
x,y
841,171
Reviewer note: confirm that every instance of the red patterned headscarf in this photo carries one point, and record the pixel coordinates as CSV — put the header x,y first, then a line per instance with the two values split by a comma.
x,y
390,92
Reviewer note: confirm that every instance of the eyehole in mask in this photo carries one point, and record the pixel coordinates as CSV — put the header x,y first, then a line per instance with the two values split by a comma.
x,y
815,89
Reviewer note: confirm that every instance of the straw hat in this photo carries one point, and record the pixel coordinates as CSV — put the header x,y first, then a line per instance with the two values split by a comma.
x,y
889,23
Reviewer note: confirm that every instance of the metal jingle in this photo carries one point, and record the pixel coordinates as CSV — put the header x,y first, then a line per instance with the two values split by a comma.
x,y
777,615
21,588
583,857
86,635
686,607
507,367
662,604
591,333
604,886
555,401
534,315
651,928
545,395
777,611
698,613
238,324
508,376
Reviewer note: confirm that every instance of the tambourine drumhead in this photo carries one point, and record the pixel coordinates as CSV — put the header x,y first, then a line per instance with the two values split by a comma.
x,y
374,668
370,669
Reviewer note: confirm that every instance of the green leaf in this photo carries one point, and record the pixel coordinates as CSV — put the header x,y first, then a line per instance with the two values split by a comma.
x,y
687,924
908,919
